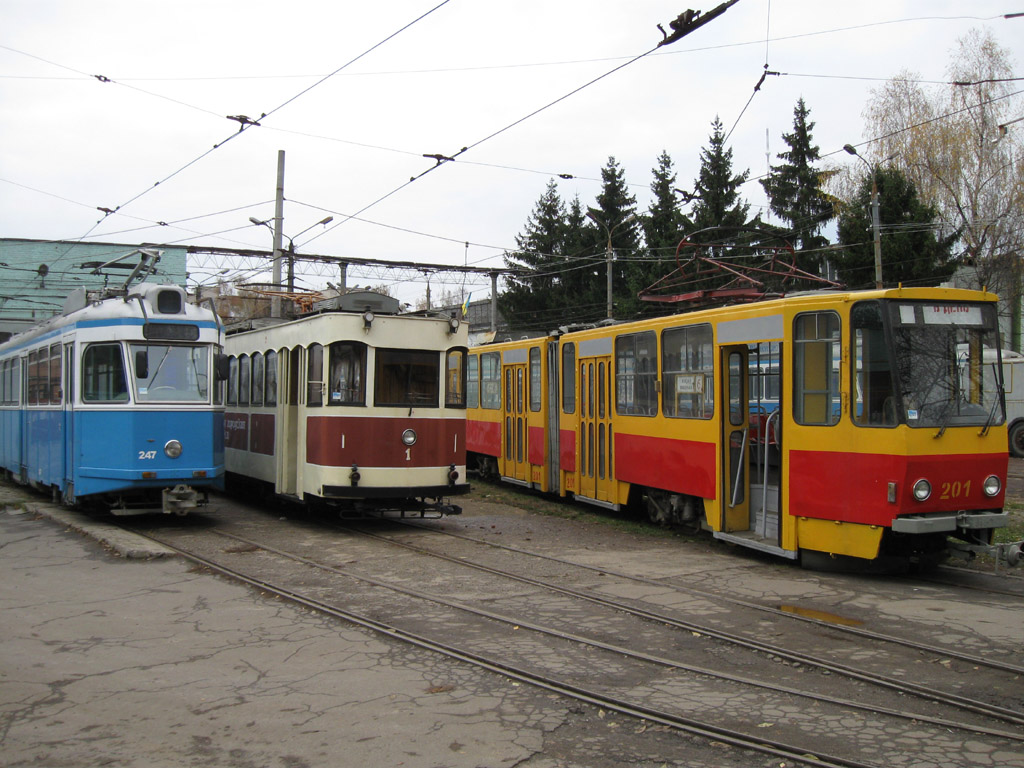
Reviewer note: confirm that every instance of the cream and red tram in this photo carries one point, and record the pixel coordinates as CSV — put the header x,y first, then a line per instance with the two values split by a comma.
x,y
355,405
884,435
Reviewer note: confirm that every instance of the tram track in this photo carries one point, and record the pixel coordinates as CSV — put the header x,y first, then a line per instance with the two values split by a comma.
x,y
522,624
943,651
701,729
980,707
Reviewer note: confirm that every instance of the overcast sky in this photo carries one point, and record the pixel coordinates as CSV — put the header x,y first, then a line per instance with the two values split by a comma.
x,y
456,76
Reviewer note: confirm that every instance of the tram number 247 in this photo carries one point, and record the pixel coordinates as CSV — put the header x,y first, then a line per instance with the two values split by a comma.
x,y
143,455
955,489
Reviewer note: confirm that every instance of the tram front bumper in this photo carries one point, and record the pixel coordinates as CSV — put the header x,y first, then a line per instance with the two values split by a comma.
x,y
945,522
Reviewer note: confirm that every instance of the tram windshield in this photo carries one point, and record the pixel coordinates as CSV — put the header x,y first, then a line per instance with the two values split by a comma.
x,y
171,372
938,368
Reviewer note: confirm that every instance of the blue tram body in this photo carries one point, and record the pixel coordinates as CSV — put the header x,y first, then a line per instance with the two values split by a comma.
x,y
116,402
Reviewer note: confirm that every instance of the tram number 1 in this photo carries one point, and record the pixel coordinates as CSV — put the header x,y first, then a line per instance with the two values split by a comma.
x,y
955,489
408,454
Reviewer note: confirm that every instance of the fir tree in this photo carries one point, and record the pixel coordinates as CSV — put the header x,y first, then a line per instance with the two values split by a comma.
x,y
912,253
615,218
533,292
664,224
794,190
716,189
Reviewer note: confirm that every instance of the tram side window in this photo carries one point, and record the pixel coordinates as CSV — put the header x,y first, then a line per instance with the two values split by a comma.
x,y
455,380
39,377
347,380
16,381
636,373
315,376
473,381
490,381
232,381
8,392
407,378
244,379
103,374
688,372
873,391
270,383
535,379
55,393
816,352
569,377
258,371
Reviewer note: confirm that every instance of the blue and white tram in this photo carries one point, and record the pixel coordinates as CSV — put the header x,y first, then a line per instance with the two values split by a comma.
x,y
116,402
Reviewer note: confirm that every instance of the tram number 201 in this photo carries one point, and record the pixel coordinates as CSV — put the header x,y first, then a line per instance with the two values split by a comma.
x,y
955,489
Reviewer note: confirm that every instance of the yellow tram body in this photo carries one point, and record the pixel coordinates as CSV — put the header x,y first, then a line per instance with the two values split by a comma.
x,y
843,423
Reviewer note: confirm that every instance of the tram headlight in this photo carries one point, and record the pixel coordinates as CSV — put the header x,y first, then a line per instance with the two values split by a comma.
x,y
992,486
173,449
409,437
922,490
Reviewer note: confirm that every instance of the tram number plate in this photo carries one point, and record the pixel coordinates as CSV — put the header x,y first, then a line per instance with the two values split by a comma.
x,y
955,489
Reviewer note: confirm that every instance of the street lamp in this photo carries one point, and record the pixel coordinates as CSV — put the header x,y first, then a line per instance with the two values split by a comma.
x,y
875,225
291,245
609,253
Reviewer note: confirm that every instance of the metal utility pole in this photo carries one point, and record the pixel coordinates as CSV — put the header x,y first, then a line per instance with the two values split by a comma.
x,y
609,255
875,223
275,301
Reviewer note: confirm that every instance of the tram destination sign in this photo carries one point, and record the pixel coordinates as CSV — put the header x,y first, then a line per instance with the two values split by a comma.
x,y
941,314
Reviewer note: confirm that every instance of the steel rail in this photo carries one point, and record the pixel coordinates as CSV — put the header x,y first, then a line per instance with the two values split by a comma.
x,y
704,730
980,707
857,631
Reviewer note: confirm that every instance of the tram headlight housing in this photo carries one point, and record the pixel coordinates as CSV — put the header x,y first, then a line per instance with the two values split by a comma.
x,y
173,449
922,490
992,486
409,437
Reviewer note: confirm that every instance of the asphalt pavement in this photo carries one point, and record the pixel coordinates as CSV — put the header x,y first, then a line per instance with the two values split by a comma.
x,y
113,654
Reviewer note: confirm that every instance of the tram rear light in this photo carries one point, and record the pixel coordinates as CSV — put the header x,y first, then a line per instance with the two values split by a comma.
x,y
922,490
199,473
149,475
992,485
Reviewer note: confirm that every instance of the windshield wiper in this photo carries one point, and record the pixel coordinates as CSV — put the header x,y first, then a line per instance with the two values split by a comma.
x,y
945,417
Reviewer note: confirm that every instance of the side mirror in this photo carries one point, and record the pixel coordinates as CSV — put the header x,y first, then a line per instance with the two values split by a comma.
x,y
221,366
142,364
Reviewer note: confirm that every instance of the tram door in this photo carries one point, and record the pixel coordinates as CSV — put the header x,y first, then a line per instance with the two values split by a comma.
x,y
735,440
514,430
595,437
288,424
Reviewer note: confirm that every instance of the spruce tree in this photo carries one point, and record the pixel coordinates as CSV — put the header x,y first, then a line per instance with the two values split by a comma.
x,y
795,194
664,225
615,206
912,252
531,295
716,189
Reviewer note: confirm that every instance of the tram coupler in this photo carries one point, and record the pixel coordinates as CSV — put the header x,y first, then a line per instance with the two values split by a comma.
x,y
181,499
1011,554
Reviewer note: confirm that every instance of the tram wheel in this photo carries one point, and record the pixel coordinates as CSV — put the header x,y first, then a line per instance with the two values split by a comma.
x,y
1017,440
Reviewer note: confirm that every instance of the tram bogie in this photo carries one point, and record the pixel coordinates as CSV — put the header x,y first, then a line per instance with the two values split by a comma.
x,y
852,425
113,403
356,407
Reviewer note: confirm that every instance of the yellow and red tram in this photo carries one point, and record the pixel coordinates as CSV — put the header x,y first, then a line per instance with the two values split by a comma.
x,y
859,424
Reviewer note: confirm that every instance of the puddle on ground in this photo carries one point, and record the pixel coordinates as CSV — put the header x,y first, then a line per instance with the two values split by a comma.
x,y
810,613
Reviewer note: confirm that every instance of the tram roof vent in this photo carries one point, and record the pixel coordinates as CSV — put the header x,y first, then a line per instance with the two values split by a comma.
x,y
360,301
